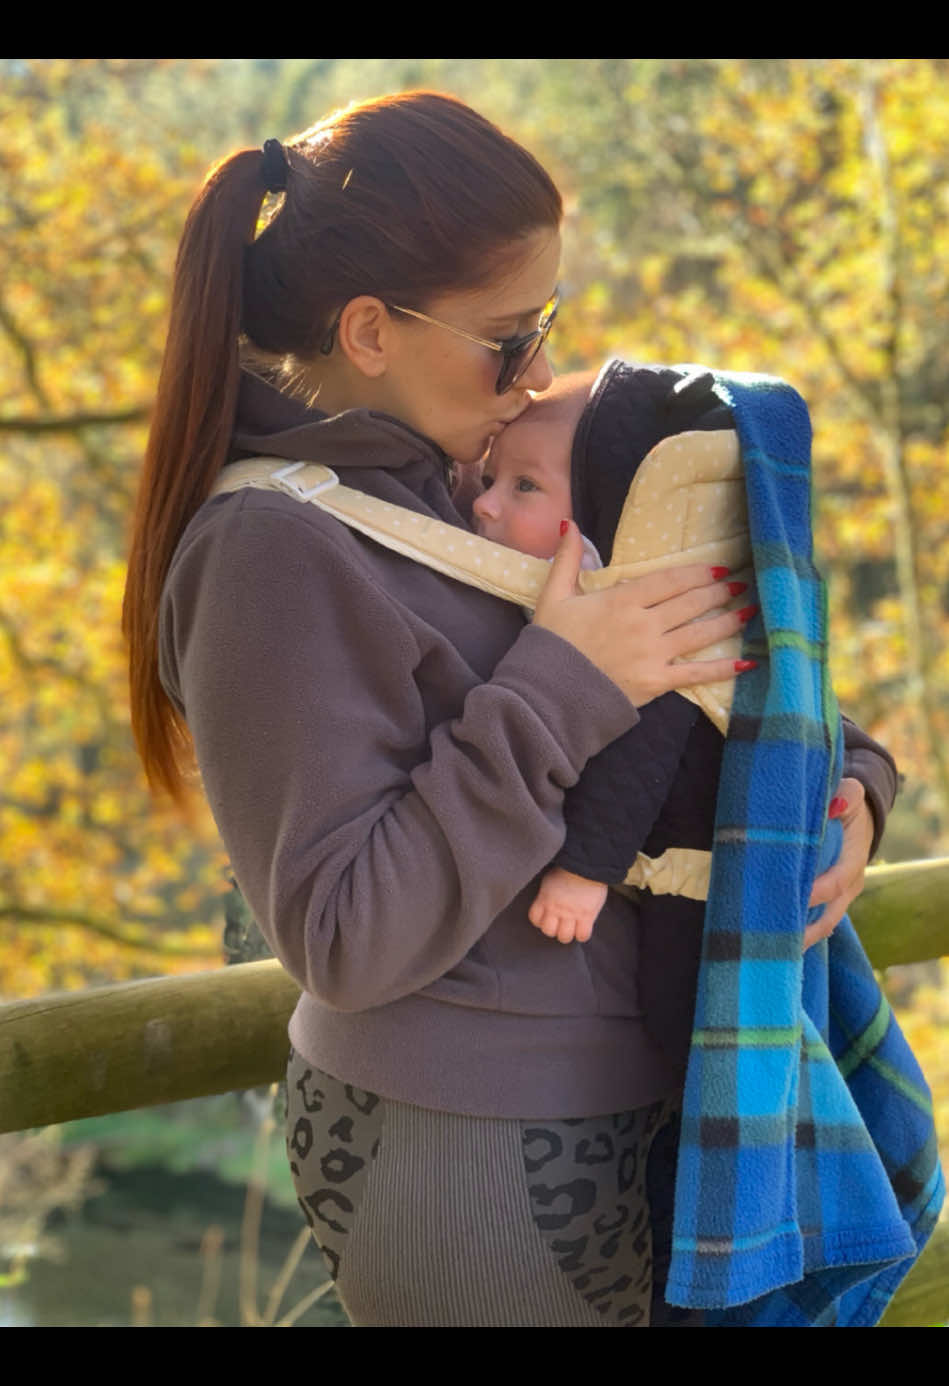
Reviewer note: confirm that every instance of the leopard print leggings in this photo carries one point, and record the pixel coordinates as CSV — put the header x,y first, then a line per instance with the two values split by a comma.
x,y
431,1219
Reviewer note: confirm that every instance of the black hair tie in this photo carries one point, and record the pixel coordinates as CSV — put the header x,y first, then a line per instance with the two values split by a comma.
x,y
273,170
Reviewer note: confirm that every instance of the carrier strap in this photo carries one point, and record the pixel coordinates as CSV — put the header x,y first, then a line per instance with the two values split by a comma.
x,y
685,505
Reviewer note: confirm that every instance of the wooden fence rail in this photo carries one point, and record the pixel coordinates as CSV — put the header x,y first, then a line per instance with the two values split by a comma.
x,y
135,1044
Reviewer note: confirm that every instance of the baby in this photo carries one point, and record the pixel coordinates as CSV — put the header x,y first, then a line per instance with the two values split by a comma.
x,y
530,482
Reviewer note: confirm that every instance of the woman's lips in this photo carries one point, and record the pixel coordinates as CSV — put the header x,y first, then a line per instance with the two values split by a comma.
x,y
503,423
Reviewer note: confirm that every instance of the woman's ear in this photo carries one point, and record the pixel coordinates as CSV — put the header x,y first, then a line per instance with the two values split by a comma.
x,y
365,335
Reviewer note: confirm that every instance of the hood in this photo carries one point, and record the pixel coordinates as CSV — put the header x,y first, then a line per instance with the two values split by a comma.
x,y
631,408
379,454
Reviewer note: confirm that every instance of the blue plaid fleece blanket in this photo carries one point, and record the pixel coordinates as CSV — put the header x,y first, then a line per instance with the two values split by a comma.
x,y
808,1177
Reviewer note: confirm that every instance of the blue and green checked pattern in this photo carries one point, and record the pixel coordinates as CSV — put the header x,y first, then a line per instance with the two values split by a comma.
x,y
808,1177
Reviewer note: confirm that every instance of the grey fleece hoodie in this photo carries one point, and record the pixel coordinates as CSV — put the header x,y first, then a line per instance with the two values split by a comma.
x,y
386,751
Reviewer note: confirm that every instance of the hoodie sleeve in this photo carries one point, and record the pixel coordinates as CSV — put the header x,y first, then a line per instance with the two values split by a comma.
x,y
870,763
374,843
623,790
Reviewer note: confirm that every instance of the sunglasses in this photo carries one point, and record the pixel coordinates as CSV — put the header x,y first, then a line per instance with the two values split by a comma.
x,y
517,353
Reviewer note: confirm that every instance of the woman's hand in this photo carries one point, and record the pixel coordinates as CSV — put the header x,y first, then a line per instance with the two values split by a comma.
x,y
632,632
844,881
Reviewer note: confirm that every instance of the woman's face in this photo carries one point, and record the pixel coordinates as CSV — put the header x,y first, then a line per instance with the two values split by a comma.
x,y
444,385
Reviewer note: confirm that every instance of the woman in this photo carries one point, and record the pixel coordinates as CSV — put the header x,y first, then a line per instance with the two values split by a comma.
x,y
385,750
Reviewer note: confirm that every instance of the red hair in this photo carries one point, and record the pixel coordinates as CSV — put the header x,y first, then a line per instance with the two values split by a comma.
x,y
405,197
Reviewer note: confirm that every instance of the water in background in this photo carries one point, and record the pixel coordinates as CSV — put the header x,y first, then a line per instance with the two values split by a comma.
x,y
157,1242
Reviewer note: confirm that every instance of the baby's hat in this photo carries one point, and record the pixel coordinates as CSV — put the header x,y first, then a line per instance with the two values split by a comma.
x,y
630,409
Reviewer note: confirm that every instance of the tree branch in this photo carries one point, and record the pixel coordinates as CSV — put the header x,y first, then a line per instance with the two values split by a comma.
x,y
71,423
27,353
923,675
134,937
35,664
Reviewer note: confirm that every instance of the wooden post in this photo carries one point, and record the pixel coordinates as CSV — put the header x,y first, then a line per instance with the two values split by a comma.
x,y
83,1053
901,916
135,1044
922,1301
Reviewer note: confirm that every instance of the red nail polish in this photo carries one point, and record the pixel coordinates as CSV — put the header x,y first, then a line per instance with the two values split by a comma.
x,y
743,665
564,526
719,573
736,588
746,613
837,806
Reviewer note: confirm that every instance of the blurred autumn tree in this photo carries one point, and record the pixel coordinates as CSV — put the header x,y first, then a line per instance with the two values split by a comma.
x,y
785,216
89,217
791,218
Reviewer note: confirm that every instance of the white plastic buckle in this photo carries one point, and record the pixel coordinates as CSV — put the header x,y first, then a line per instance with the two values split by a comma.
x,y
320,486
282,474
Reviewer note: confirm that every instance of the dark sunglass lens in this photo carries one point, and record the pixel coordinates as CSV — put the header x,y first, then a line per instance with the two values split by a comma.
x,y
515,363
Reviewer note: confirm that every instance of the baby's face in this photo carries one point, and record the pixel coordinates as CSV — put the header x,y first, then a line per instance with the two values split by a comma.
x,y
527,486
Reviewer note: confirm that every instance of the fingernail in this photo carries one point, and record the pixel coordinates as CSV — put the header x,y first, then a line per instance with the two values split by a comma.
x,y
837,806
736,588
564,526
719,573
746,613
743,665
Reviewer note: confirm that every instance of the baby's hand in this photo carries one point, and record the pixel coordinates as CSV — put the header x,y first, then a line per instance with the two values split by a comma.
x,y
566,906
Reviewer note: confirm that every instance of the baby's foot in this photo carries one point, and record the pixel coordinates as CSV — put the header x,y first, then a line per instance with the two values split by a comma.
x,y
566,905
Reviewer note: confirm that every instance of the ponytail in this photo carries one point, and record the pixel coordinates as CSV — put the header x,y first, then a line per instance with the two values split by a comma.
x,y
189,438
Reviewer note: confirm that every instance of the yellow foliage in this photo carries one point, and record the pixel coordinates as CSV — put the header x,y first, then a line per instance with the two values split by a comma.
x,y
786,216
924,1019
87,232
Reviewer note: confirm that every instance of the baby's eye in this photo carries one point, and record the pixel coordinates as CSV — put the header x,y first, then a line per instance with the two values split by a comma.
x,y
486,482
524,483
